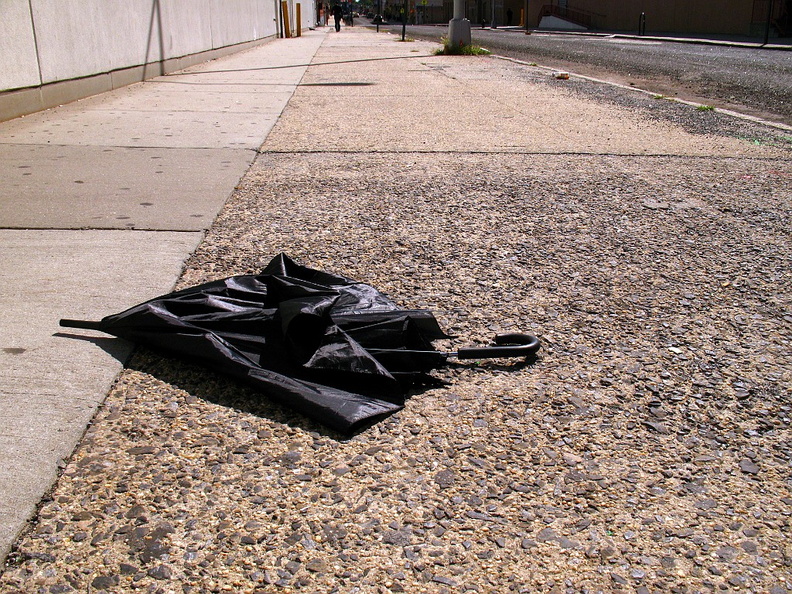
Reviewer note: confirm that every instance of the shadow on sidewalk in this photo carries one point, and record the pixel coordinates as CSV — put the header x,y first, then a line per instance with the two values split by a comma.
x,y
311,65
119,349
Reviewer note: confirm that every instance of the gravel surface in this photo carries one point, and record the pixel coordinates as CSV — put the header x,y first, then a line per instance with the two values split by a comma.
x,y
647,449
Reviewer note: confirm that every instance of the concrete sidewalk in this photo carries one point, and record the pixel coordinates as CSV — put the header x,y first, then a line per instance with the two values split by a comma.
x,y
644,241
101,202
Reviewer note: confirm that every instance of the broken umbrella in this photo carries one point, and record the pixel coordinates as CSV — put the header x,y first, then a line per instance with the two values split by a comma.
x,y
336,350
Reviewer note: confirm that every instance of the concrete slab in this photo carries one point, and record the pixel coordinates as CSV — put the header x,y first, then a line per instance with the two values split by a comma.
x,y
181,129
116,187
194,95
51,385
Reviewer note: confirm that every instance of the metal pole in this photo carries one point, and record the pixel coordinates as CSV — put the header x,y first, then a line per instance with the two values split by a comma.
x,y
279,21
767,24
459,26
404,19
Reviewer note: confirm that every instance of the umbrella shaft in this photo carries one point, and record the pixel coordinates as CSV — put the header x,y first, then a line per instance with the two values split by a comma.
x,y
84,324
408,352
506,345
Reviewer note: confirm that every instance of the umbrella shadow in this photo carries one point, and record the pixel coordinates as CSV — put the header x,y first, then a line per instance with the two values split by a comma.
x,y
493,365
117,348
485,366
221,390
203,383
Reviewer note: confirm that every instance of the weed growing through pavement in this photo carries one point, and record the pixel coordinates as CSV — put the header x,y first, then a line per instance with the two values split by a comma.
x,y
782,141
462,50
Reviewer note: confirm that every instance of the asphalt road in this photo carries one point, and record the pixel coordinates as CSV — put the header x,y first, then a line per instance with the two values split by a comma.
x,y
754,81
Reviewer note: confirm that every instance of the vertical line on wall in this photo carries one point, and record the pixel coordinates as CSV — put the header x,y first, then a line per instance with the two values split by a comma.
x,y
35,42
156,14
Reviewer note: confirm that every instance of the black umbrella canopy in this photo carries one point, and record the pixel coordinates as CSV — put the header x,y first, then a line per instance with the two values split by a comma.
x,y
334,349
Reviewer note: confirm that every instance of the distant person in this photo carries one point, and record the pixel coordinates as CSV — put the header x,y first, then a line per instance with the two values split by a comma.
x,y
337,16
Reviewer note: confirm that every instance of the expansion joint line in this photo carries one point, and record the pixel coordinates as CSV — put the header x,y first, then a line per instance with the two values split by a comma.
x,y
516,153
106,229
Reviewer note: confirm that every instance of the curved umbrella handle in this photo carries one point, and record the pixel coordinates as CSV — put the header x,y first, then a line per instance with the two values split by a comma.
x,y
508,345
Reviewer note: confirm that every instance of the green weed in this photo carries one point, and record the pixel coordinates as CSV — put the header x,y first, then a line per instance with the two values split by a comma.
x,y
463,50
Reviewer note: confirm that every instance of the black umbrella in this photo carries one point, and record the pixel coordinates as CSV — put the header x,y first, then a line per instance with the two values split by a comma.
x,y
334,349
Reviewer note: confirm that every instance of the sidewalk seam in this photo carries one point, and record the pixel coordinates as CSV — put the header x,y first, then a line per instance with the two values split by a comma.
x,y
143,229
524,153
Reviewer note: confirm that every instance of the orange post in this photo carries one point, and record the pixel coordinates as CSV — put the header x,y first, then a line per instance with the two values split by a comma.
x,y
286,20
298,15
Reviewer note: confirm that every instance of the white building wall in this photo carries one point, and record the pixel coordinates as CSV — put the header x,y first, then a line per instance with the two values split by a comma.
x,y
45,41
17,46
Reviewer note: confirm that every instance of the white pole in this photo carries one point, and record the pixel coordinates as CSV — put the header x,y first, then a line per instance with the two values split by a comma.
x,y
459,26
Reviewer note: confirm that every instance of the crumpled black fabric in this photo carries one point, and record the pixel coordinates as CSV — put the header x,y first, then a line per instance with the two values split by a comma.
x,y
309,339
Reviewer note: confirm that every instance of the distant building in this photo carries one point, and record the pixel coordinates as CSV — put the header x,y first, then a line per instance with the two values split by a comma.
x,y
705,17
725,17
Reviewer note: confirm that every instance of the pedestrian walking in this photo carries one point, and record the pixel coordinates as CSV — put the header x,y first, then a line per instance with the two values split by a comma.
x,y
337,16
